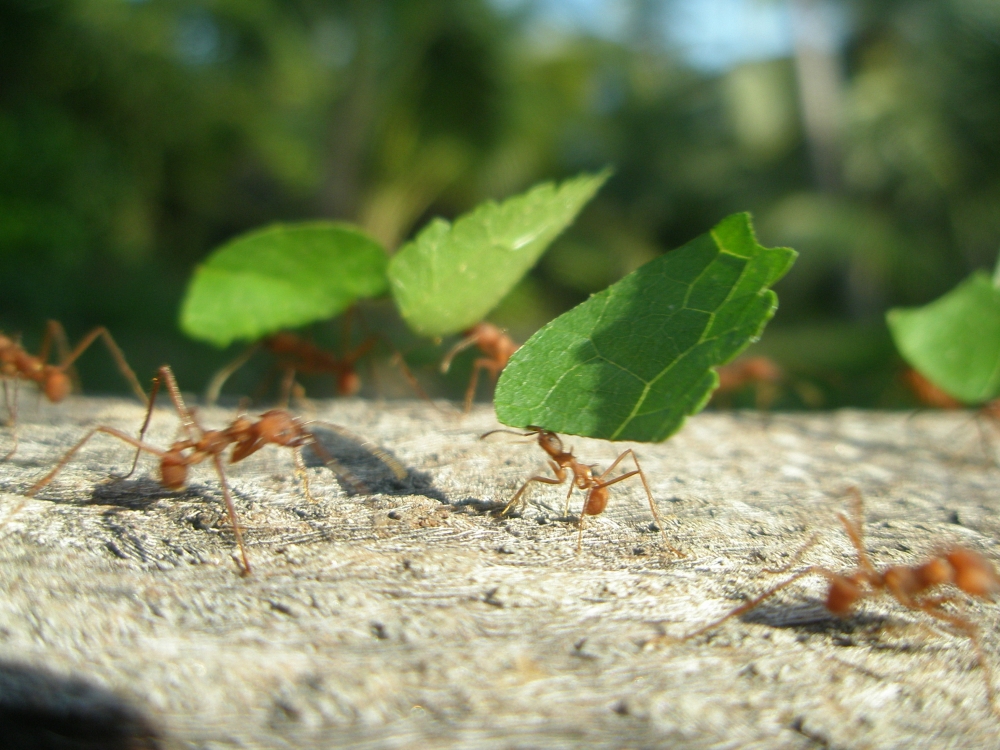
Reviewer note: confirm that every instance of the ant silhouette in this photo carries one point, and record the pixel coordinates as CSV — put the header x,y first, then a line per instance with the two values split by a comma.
x,y
965,570
494,343
563,463
247,436
54,381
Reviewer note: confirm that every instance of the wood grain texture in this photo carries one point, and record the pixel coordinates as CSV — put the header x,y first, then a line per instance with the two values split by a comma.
x,y
414,617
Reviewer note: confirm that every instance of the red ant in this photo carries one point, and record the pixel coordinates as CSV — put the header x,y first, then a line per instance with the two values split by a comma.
x,y
760,372
968,571
494,343
563,462
296,355
55,381
246,436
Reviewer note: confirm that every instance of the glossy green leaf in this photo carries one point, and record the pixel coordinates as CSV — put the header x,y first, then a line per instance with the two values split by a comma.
x,y
633,361
283,276
451,275
955,340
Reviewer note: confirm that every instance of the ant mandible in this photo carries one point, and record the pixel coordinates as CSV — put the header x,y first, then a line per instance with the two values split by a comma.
x,y
968,571
247,436
54,381
563,463
494,343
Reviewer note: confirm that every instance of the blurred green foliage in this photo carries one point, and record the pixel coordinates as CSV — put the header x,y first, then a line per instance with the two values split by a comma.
x,y
137,135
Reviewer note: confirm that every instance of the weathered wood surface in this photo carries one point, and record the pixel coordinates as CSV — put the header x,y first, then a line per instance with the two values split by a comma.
x,y
414,617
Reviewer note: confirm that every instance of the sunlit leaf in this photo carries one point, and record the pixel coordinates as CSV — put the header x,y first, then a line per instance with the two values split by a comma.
x,y
632,362
283,276
955,340
451,275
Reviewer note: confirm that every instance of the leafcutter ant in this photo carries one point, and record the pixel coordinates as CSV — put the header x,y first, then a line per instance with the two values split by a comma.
x,y
491,341
247,436
294,355
54,381
910,585
564,463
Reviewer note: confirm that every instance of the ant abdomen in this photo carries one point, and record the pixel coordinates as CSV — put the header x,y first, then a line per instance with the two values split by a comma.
x,y
173,470
57,384
597,501
842,595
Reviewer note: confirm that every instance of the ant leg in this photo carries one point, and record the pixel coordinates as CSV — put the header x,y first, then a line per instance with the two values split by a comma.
x,y
285,390
932,608
11,416
394,466
116,354
855,530
219,378
231,510
756,602
649,493
795,558
470,392
145,426
569,493
411,379
191,426
41,483
561,474
459,347
985,439
300,470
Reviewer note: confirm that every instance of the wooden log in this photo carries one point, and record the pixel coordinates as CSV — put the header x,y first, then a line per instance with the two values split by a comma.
x,y
415,617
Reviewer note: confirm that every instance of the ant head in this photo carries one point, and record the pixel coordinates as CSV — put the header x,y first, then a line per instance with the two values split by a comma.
x,y
56,384
173,470
348,383
549,441
278,426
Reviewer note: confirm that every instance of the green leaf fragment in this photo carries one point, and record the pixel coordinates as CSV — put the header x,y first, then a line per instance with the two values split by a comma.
x,y
284,276
632,362
452,275
955,340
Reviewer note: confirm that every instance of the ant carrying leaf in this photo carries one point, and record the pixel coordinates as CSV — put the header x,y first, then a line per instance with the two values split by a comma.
x,y
246,435
582,477
635,360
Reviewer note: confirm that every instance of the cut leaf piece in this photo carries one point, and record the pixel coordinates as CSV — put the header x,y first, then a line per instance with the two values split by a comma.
x,y
284,276
451,275
955,340
632,362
